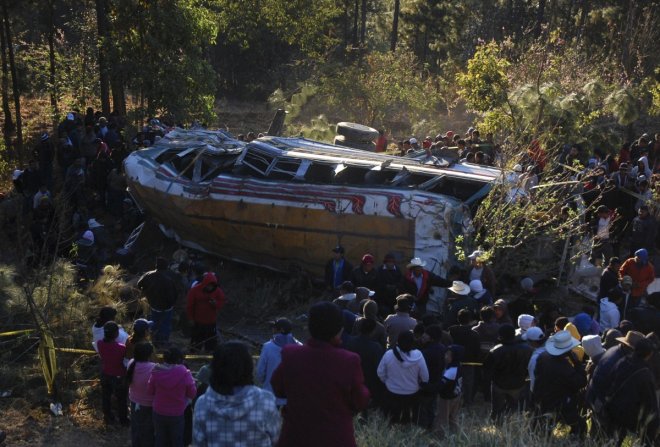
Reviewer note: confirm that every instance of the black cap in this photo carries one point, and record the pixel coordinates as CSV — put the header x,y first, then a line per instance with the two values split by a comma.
x,y
283,325
338,249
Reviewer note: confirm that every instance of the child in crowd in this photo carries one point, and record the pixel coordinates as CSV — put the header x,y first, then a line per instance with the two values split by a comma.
x,y
141,332
450,393
137,378
173,387
106,314
112,373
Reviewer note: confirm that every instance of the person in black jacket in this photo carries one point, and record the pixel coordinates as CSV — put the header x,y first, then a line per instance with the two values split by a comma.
x,y
365,274
632,404
559,377
160,291
505,368
370,353
434,355
337,270
609,278
388,280
463,335
644,229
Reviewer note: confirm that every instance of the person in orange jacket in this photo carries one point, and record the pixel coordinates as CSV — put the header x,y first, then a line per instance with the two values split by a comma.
x,y
204,302
642,273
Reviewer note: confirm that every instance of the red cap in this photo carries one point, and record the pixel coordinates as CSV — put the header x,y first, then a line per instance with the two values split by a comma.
x,y
368,259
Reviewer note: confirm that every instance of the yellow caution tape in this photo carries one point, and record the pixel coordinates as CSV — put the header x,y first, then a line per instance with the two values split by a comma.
x,y
22,331
48,360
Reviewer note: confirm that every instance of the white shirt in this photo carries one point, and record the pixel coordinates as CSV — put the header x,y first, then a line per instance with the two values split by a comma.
x,y
403,377
531,366
610,317
603,228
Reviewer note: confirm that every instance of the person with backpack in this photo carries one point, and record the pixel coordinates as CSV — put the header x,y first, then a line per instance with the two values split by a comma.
x,y
141,401
450,391
403,370
173,387
112,373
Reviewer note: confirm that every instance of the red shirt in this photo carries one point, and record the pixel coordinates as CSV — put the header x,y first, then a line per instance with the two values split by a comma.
x,y
112,358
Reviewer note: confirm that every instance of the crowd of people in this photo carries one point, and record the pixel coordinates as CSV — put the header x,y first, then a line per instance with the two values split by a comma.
x,y
415,345
377,345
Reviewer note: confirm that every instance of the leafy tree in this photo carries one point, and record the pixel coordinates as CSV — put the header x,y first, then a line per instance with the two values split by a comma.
x,y
384,85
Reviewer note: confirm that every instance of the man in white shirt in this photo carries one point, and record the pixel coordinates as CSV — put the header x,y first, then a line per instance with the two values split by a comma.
x,y
600,226
536,339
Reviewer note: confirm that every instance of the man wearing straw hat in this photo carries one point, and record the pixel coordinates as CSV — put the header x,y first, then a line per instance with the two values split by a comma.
x,y
559,377
418,282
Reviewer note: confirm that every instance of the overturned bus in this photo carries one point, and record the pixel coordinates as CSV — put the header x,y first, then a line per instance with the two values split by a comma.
x,y
284,203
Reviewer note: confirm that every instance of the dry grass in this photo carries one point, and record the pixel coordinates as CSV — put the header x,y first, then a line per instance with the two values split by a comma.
x,y
475,430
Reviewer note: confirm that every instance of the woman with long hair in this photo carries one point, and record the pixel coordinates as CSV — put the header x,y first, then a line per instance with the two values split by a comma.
x,y
403,369
234,411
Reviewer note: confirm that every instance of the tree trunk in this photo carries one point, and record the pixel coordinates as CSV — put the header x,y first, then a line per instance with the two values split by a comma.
x,y
540,17
102,29
118,94
395,26
346,23
356,14
363,29
54,96
14,78
583,18
8,125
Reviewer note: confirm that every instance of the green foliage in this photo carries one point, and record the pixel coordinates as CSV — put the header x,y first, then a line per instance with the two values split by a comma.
x,y
484,86
623,106
160,52
383,85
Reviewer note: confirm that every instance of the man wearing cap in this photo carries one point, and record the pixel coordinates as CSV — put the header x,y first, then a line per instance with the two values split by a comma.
x,y
323,384
536,339
337,270
594,349
642,273
388,281
633,405
365,274
559,378
160,292
505,368
600,228
597,389
400,321
271,353
418,282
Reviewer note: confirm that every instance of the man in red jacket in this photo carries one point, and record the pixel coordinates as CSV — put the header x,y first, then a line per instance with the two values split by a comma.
x,y
204,303
323,385
642,273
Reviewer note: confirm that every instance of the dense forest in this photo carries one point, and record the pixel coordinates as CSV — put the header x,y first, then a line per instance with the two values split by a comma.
x,y
556,69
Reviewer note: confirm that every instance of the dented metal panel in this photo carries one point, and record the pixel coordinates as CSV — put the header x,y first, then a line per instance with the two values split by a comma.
x,y
283,202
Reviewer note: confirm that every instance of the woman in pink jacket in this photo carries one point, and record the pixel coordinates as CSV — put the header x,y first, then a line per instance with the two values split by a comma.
x,y
137,377
173,389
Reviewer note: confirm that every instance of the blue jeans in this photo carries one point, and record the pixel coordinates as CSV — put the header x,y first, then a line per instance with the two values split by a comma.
x,y
169,430
142,426
162,326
